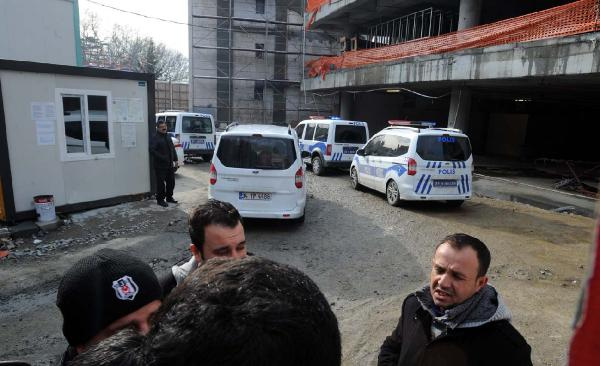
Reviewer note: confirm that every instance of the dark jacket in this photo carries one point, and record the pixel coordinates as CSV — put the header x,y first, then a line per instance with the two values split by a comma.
x,y
493,343
163,151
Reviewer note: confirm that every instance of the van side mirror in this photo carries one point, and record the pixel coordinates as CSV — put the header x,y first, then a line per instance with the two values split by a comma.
x,y
360,152
304,154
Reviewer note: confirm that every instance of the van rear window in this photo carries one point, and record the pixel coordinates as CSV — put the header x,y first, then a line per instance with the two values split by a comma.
x,y
346,134
196,125
256,152
444,148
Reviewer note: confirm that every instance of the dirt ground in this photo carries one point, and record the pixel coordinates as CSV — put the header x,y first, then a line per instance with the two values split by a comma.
x,y
364,254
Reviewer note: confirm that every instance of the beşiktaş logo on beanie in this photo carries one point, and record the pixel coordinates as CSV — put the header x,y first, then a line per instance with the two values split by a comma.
x,y
125,288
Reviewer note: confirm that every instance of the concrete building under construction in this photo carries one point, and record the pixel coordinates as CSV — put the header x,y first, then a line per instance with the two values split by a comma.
x,y
246,61
522,78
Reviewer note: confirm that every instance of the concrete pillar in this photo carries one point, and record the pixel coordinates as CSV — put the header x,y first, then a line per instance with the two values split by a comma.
x,y
346,105
469,12
460,108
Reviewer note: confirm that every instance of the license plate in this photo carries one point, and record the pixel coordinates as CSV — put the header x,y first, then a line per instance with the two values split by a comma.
x,y
255,196
349,149
197,141
444,182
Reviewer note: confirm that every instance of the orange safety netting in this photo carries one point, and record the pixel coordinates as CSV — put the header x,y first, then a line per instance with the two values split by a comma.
x,y
313,6
573,18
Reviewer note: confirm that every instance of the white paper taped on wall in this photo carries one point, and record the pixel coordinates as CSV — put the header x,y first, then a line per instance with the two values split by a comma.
x,y
43,111
127,110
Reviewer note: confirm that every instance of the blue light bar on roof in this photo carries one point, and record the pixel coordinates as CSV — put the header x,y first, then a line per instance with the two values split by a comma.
x,y
334,117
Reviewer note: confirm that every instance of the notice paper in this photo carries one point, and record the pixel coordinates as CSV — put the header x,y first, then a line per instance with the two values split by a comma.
x,y
43,111
120,110
135,111
45,132
128,135
128,110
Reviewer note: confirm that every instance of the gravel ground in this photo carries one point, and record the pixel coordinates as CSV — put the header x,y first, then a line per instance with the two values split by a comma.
x,y
364,254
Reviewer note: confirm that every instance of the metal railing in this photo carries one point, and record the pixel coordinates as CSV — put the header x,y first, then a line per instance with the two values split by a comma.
x,y
424,23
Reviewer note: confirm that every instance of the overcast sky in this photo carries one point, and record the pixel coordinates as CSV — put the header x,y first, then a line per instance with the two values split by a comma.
x,y
175,36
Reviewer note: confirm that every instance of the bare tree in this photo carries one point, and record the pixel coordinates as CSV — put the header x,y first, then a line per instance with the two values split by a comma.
x,y
126,50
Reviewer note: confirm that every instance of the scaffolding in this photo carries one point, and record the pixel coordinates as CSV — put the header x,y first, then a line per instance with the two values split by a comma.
x,y
259,61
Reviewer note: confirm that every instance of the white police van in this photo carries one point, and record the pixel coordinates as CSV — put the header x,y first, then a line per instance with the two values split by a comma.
x,y
259,170
195,131
414,161
331,142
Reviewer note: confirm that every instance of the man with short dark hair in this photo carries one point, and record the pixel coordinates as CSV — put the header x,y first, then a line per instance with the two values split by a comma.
x,y
103,293
165,162
215,230
244,312
458,319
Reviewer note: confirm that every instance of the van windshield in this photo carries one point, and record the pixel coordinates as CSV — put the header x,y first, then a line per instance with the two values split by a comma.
x,y
256,152
346,134
444,148
196,125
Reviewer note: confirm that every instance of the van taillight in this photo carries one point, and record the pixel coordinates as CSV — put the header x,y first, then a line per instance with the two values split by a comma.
x,y
412,166
299,178
213,174
178,145
328,150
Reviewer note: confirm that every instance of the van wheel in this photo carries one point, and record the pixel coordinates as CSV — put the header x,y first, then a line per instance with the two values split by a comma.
x,y
455,203
317,165
392,193
354,179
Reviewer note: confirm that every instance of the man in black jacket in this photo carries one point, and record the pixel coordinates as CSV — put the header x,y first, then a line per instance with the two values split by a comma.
x,y
458,319
165,160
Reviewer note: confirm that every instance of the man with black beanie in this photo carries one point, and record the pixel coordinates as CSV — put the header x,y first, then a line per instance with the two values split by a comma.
x,y
103,293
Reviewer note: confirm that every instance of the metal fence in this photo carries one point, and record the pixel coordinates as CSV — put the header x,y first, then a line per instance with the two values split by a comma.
x,y
424,23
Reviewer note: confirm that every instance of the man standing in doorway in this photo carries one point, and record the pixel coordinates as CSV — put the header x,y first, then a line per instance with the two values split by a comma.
x,y
165,160
458,319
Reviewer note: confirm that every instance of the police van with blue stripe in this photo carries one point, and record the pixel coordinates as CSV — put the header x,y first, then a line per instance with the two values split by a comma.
x,y
195,131
415,161
331,142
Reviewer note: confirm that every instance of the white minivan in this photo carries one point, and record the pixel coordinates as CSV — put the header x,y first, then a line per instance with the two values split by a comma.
x,y
331,142
415,162
195,131
259,170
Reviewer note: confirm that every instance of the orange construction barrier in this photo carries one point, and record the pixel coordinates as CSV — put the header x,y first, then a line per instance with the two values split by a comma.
x,y
313,6
573,18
